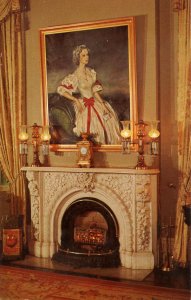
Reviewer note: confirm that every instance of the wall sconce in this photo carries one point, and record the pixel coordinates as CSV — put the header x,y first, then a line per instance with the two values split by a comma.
x,y
40,137
143,137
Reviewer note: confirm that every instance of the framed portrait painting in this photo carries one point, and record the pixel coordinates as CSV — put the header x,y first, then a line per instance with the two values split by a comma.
x,y
89,82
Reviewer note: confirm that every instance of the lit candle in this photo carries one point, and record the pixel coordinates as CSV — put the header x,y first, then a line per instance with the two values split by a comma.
x,y
126,133
23,135
45,136
154,133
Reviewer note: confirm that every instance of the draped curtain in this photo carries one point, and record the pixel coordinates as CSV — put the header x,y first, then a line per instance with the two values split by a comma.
x,y
183,8
12,97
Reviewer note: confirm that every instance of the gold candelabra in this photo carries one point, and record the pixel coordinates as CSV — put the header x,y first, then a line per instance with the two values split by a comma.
x,y
40,137
143,137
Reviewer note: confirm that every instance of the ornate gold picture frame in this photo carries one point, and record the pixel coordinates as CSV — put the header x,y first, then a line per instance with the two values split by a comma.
x,y
111,49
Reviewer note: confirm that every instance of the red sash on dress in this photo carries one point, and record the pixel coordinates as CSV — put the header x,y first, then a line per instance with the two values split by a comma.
x,y
89,103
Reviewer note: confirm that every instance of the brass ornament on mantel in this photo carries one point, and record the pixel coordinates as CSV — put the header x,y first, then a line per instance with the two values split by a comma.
x,y
40,137
141,125
85,151
144,137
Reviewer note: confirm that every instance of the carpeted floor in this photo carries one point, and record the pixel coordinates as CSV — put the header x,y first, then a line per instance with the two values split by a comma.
x,y
25,284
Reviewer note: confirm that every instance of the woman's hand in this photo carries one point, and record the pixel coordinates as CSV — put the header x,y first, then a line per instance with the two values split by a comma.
x,y
79,104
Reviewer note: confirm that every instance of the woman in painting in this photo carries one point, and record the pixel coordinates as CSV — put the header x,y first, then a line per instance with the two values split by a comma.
x,y
93,114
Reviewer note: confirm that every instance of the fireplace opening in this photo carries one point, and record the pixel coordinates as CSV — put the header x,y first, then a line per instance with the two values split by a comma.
x,y
89,235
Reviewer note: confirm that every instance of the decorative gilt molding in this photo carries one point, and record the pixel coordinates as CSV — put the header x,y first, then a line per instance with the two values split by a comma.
x,y
35,201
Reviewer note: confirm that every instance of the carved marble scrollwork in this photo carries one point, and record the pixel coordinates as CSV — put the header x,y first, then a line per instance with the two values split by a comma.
x,y
58,183
123,189
126,188
128,193
143,226
35,200
121,186
86,181
143,212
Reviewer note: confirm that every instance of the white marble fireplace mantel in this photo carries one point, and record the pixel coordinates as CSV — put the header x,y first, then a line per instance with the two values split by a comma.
x,y
131,195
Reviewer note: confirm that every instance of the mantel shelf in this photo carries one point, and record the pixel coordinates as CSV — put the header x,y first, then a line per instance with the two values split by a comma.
x,y
91,170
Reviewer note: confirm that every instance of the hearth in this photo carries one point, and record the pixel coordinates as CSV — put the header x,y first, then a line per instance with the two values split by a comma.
x,y
89,235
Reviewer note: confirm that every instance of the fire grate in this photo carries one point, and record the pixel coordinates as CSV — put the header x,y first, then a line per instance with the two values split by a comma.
x,y
90,236
91,245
